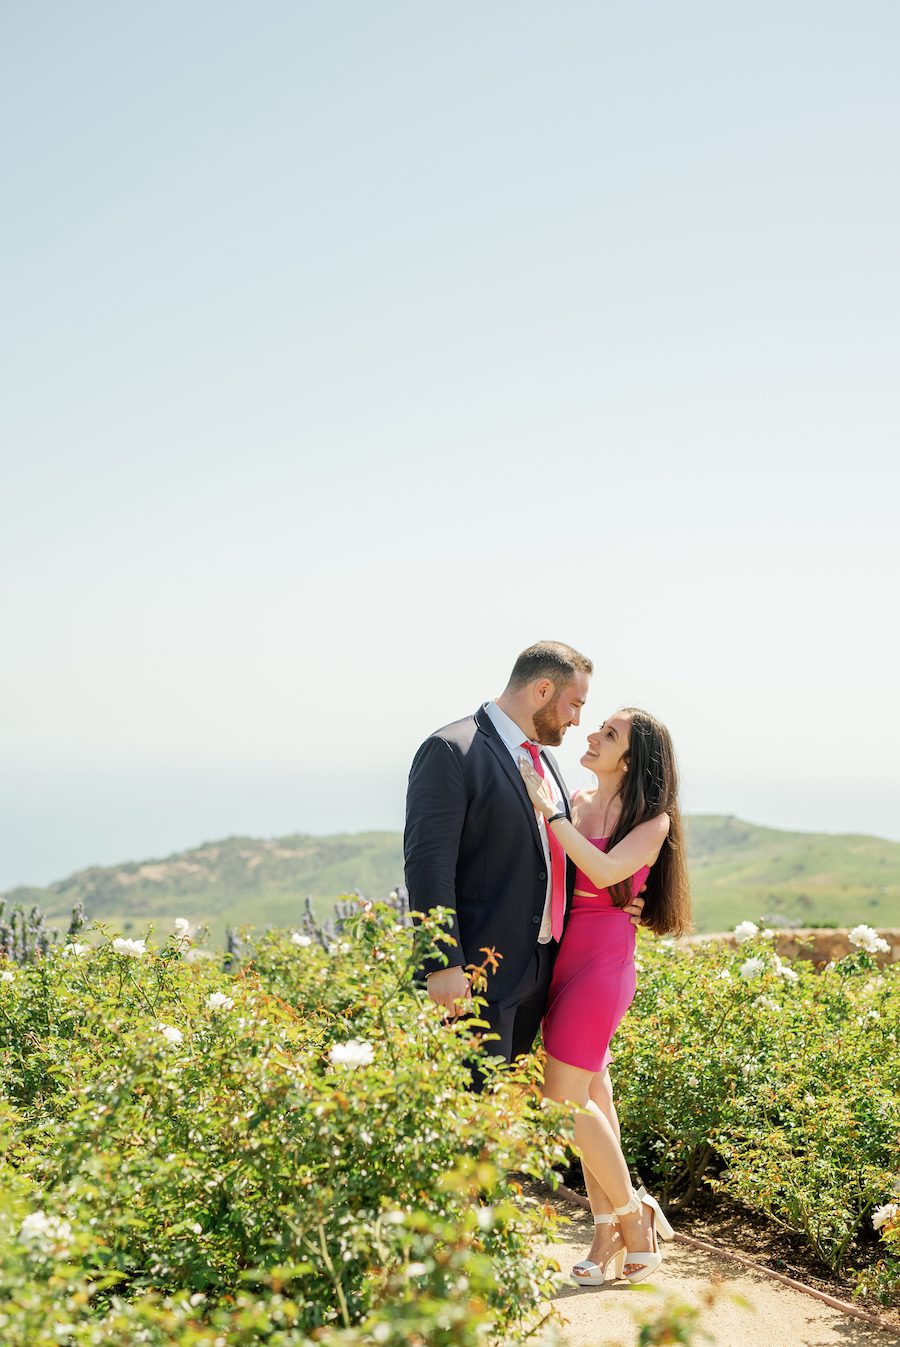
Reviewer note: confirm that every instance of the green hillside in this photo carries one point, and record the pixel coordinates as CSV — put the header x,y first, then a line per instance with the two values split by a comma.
x,y
229,883
738,870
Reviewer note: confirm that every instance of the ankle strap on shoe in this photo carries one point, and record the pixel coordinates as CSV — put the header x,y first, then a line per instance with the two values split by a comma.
x,y
633,1204
604,1218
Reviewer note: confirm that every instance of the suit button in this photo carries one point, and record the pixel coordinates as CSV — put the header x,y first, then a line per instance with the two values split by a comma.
x,y
542,875
535,921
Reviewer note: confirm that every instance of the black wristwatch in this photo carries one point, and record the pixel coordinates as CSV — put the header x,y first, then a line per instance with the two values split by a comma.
x,y
554,817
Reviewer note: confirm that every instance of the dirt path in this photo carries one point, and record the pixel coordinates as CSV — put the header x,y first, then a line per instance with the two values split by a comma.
x,y
748,1307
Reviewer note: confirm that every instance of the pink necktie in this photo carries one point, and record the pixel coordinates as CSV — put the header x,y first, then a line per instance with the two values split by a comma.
x,y
557,860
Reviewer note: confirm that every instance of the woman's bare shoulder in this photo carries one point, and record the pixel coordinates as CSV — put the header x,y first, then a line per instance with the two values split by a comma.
x,y
657,827
581,803
658,831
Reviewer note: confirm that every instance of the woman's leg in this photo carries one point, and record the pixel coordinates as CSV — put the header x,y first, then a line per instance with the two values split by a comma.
x,y
600,1090
607,1239
594,1134
597,1140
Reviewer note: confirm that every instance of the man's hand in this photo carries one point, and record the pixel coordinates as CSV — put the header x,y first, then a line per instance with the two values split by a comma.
x,y
634,908
448,986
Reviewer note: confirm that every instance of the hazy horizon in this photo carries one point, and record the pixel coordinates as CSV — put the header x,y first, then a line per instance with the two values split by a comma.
x,y
68,850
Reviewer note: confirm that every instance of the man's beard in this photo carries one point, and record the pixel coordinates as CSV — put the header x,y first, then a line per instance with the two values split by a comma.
x,y
547,729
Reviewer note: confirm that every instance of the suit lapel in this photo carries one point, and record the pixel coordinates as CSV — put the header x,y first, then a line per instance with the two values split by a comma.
x,y
503,756
554,767
570,864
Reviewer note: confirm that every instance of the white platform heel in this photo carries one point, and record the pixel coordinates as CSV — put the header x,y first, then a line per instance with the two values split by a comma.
x,y
662,1225
593,1274
647,1260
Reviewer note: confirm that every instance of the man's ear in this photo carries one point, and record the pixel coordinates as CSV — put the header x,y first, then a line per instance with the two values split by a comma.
x,y
544,689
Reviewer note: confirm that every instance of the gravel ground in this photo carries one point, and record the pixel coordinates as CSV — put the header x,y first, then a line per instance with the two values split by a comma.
x,y
740,1306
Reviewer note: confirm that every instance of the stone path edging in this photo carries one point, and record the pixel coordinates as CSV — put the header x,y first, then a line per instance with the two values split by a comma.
x,y
578,1200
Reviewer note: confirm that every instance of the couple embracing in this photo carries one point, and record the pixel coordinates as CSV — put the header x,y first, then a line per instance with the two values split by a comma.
x,y
556,885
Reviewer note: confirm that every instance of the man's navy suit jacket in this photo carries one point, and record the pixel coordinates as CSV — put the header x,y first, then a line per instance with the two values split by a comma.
x,y
472,845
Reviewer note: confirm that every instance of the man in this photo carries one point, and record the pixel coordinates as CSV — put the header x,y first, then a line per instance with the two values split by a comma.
x,y
474,843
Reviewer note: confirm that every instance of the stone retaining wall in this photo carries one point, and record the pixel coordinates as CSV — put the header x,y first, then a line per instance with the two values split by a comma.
x,y
819,945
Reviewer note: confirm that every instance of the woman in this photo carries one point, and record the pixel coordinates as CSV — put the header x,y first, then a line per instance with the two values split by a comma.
x,y
625,833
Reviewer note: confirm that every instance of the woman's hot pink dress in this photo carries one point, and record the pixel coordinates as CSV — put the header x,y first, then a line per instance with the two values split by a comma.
x,y
594,976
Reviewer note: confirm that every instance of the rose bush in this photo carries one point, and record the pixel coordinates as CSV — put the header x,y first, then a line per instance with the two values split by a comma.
x,y
288,1150
774,1084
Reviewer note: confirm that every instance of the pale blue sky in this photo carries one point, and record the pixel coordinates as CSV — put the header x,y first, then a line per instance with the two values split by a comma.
x,y
350,348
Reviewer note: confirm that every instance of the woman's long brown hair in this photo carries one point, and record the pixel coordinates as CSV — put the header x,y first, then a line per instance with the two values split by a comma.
x,y
650,788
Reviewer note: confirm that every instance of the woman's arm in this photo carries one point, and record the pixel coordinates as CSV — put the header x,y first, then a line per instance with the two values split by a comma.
x,y
639,848
605,868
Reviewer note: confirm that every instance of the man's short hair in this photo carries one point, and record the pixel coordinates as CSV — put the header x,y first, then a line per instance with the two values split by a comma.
x,y
548,659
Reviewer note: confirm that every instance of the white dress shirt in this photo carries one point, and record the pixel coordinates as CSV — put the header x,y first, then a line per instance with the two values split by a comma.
x,y
513,737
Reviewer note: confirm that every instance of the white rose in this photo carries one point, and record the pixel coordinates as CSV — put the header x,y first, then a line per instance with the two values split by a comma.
x,y
132,948
783,970
43,1233
353,1053
868,939
744,931
219,1001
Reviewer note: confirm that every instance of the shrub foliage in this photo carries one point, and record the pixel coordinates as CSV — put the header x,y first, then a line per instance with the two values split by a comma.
x,y
776,1085
292,1149
289,1152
